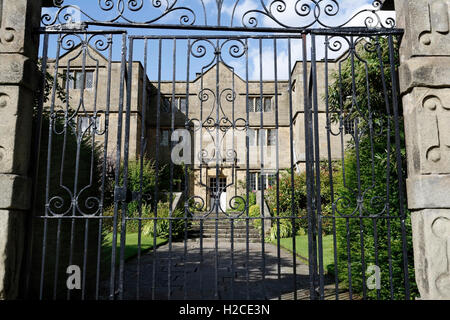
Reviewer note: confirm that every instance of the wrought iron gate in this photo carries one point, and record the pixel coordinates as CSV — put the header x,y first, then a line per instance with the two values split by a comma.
x,y
218,161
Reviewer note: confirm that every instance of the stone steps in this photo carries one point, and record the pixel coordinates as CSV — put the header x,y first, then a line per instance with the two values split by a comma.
x,y
224,226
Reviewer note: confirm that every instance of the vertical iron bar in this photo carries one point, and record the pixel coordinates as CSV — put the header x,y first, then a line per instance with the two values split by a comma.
x,y
186,171
358,165
123,232
117,169
277,147
330,170
84,48
141,173
317,167
309,173
388,170
105,157
294,215
172,129
157,155
247,172
399,166
262,181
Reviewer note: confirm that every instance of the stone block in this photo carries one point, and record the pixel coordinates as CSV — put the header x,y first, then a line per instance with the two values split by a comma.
x,y
426,25
17,21
424,72
16,107
12,226
431,239
15,192
17,69
428,191
427,118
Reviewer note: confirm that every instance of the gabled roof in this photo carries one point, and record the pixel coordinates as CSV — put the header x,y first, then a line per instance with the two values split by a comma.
x,y
79,45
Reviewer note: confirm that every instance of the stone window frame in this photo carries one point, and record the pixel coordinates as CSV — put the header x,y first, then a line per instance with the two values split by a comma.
x,y
84,123
252,104
73,79
269,137
167,104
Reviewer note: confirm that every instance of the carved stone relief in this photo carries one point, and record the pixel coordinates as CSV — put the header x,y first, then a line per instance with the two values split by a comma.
x,y
433,121
431,229
429,26
441,229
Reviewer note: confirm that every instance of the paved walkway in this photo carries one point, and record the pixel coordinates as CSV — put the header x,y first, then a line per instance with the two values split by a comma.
x,y
191,279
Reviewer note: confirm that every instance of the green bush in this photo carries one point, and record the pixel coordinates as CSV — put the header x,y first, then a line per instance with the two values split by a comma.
x,y
285,227
165,224
255,212
300,196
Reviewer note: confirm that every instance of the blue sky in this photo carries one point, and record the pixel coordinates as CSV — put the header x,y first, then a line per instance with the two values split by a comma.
x,y
205,12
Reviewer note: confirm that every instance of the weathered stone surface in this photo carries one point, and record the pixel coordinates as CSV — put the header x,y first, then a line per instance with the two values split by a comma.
x,y
17,69
428,191
427,117
426,25
19,18
15,192
16,107
12,224
432,72
425,83
431,229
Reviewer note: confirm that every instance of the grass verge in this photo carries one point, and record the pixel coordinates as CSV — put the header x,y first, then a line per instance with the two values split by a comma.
x,y
301,248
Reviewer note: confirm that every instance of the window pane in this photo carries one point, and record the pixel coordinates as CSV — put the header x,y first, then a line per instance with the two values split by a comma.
x,y
89,79
166,105
70,79
258,105
251,105
83,123
262,137
272,137
267,104
165,138
252,181
261,184
252,137
78,79
183,105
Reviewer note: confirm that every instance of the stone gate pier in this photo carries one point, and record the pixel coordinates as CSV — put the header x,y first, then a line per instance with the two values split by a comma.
x,y
425,89
18,81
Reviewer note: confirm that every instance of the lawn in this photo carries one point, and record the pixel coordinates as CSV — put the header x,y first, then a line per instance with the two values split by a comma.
x,y
301,246
131,245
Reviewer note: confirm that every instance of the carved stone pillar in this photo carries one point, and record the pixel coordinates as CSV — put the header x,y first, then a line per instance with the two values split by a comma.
x,y
425,88
18,80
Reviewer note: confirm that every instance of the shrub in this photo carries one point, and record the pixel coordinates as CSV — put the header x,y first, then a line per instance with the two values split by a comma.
x,y
255,212
285,227
166,224
300,197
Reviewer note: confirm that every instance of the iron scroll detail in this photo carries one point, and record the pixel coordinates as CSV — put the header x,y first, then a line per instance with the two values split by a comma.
x,y
222,14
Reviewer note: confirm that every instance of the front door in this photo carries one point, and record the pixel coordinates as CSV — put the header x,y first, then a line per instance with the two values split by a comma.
x,y
219,189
